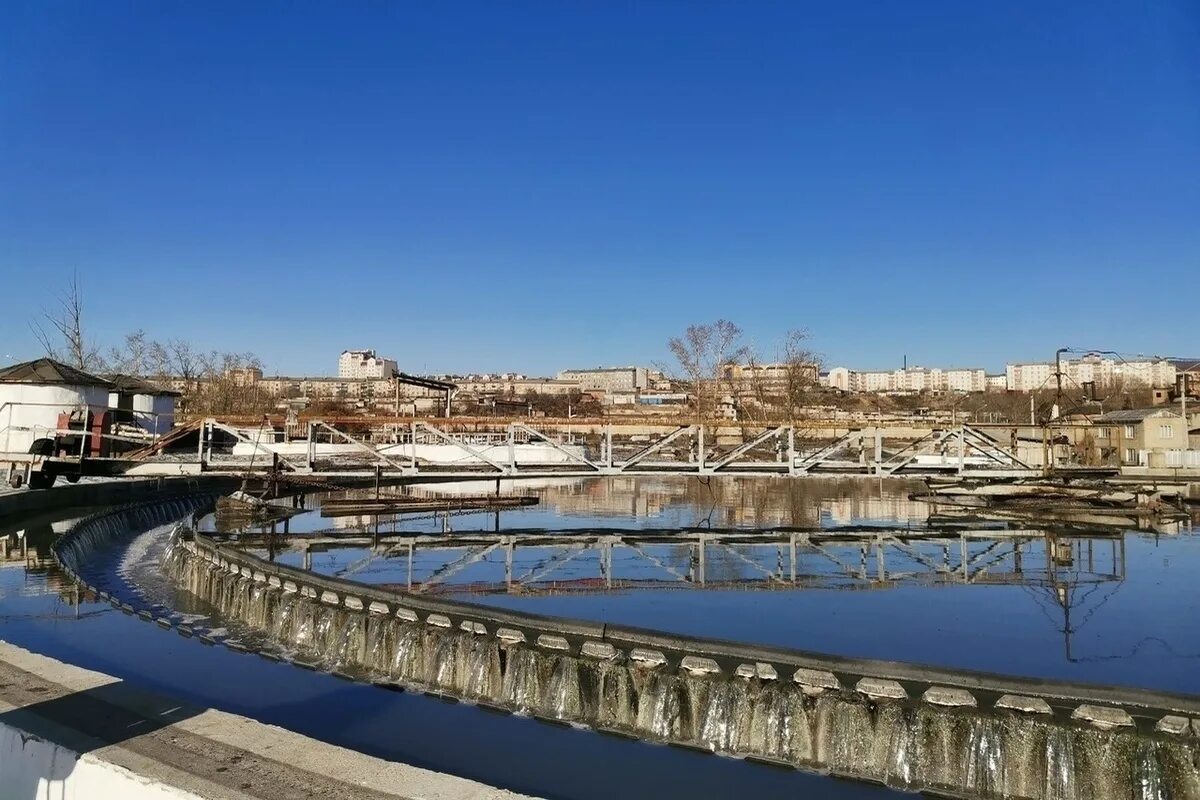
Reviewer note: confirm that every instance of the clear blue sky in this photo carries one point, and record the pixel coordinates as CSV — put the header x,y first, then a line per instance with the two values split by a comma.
x,y
528,186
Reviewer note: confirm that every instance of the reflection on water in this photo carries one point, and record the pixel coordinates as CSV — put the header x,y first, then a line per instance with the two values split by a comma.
x,y
39,611
679,554
966,751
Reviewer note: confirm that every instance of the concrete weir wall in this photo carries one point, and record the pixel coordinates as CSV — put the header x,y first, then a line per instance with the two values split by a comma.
x,y
920,728
68,732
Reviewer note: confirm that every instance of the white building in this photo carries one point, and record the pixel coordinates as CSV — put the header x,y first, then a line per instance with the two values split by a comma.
x,y
1154,373
838,378
365,365
34,394
141,403
1028,377
909,380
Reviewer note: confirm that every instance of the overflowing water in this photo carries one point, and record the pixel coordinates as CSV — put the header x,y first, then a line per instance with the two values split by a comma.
x,y
913,746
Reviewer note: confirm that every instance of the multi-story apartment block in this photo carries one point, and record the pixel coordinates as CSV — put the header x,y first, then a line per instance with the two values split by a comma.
x,y
364,364
1028,377
1102,371
909,380
608,379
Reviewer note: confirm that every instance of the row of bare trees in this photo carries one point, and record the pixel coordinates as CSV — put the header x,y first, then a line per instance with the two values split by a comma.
x,y
715,363
212,381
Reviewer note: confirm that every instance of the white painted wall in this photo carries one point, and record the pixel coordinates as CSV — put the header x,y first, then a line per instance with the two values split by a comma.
x,y
152,413
155,413
526,454
28,411
32,767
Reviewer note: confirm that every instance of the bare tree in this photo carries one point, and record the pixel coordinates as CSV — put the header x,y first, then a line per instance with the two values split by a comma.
x,y
137,355
61,333
801,370
183,362
703,352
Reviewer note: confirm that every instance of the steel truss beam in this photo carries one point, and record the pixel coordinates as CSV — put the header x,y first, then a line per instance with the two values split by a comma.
x,y
746,447
536,434
654,447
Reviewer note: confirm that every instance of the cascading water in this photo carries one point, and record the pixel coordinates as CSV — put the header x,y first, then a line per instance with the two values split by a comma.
x,y
564,699
1060,765
984,774
914,746
523,679
721,721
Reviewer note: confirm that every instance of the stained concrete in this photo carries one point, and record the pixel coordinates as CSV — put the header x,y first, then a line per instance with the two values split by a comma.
x,y
117,736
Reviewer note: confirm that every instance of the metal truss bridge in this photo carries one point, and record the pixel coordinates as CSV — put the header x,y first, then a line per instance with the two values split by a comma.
x,y
962,451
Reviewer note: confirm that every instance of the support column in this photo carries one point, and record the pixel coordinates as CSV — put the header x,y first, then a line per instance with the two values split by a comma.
x,y
791,464
508,561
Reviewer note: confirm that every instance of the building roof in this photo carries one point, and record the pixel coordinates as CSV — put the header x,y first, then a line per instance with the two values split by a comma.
x,y
47,371
132,384
1137,414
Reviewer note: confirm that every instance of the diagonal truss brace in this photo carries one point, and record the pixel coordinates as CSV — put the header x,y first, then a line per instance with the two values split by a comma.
x,y
746,447
357,443
235,433
654,447
448,439
536,434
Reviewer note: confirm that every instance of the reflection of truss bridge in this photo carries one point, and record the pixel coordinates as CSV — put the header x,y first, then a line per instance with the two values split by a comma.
x,y
538,562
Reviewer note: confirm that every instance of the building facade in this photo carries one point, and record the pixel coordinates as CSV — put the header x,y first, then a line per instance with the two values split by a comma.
x,y
365,364
608,379
1152,373
909,380
1141,437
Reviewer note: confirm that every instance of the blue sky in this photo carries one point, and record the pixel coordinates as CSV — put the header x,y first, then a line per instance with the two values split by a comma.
x,y
528,186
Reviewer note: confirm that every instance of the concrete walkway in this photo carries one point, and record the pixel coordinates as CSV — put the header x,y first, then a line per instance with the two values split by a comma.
x,y
67,732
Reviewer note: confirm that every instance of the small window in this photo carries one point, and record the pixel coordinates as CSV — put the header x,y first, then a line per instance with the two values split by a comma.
x,y
1101,433
1166,432
1130,431
1131,456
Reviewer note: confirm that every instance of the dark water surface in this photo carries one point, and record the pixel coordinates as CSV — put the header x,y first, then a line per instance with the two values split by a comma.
x,y
1084,603
870,577
37,611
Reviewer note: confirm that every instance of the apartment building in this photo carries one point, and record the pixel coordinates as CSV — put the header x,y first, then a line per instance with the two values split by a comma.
x,y
910,380
1153,373
365,365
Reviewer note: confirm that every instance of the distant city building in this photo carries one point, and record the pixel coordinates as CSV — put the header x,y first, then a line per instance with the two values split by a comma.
x,y
244,376
1100,370
608,379
364,364
910,380
769,374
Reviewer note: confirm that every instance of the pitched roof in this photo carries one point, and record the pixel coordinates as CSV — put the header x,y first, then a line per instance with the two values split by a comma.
x,y
48,371
1137,414
132,384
